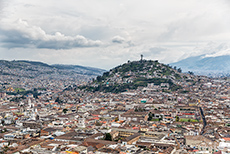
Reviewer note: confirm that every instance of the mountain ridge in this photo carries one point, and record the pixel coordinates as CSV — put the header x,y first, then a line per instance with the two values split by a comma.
x,y
204,65
38,68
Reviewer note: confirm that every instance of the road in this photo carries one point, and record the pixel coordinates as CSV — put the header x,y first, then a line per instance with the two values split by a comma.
x,y
204,121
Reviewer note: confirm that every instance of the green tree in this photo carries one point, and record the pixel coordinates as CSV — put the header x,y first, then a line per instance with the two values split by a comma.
x,y
108,137
177,118
150,116
64,110
179,70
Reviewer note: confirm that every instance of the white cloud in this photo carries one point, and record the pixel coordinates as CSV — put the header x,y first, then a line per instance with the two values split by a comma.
x,y
21,34
221,53
218,50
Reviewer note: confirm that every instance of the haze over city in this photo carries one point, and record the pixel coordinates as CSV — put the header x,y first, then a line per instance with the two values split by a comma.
x,y
107,33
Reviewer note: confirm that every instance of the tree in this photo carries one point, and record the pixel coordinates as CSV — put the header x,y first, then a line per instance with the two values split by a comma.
x,y
191,73
161,118
99,78
179,70
177,118
3,122
150,116
58,100
106,74
64,110
108,137
35,95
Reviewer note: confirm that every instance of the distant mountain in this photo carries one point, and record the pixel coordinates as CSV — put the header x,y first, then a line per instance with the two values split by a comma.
x,y
205,65
33,69
132,75
81,69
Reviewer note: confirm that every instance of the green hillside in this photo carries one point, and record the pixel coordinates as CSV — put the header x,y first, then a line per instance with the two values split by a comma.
x,y
132,75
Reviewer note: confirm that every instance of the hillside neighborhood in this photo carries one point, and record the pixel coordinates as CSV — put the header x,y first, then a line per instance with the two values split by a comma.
x,y
141,107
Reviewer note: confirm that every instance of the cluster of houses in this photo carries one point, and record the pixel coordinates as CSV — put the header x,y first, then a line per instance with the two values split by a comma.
x,y
148,120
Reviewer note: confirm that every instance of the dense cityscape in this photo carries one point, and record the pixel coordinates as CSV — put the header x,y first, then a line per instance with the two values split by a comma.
x,y
143,114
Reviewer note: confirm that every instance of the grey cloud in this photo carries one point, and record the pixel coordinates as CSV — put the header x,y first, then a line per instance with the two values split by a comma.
x,y
118,39
24,35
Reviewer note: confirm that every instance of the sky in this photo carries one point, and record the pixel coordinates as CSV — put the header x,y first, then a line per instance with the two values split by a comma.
x,y
107,33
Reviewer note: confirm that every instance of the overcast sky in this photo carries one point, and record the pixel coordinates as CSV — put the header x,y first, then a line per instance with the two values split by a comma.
x,y
106,33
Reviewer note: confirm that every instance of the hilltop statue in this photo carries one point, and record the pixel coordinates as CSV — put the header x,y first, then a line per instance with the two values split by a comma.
x,y
141,57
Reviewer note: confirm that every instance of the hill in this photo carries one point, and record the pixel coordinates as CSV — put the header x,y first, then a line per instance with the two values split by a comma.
x,y
206,65
132,75
34,69
80,69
